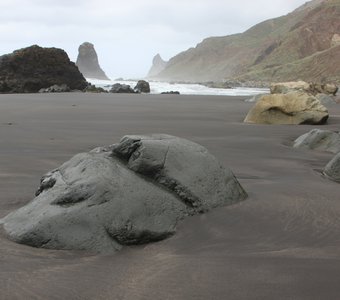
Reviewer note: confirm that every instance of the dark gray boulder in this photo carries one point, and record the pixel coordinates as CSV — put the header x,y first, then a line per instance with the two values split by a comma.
x,y
317,139
171,93
129,193
122,88
332,169
87,62
142,86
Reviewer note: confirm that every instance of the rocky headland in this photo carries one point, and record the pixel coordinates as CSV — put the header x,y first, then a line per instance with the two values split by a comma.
x,y
31,69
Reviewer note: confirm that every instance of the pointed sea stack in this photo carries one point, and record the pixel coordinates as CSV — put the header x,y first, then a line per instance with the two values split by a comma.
x,y
88,64
158,65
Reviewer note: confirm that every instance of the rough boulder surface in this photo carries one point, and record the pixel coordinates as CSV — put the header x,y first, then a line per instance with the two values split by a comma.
x,y
122,89
88,64
142,86
129,193
332,169
31,69
291,108
322,140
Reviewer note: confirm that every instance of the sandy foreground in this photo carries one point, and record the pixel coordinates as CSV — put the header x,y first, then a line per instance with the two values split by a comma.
x,y
283,242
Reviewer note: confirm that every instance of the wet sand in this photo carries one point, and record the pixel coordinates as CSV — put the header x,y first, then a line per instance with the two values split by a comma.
x,y
283,242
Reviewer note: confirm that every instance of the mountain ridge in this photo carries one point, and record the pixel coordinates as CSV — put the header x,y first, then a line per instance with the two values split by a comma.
x,y
259,53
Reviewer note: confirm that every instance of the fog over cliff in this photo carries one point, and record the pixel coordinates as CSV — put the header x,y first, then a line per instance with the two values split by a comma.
x,y
128,34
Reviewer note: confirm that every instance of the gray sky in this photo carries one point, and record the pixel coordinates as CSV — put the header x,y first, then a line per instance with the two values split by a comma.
x,y
127,34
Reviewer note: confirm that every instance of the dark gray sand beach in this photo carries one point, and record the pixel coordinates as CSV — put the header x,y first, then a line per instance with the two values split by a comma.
x,y
283,242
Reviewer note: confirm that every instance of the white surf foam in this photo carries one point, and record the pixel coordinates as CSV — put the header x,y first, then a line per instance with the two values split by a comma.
x,y
185,89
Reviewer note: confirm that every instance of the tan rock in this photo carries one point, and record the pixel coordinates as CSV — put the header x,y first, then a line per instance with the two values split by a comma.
x,y
285,87
291,108
335,40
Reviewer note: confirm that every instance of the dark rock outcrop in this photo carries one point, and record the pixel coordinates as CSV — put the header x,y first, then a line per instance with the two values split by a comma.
x,y
142,86
122,89
129,193
31,69
91,88
87,62
317,139
158,65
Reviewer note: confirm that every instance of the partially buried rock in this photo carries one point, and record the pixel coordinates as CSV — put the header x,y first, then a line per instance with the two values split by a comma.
x,y
322,140
291,108
129,193
332,169
34,68
122,89
142,86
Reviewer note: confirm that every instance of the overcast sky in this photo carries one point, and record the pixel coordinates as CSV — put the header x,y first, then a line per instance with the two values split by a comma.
x,y
128,33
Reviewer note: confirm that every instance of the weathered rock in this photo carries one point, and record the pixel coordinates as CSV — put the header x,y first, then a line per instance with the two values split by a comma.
x,y
87,62
128,193
286,87
30,69
171,93
122,88
317,139
91,88
142,86
311,88
332,169
56,89
158,65
292,108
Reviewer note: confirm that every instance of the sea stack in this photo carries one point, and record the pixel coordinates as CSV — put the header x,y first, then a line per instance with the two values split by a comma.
x,y
158,65
88,64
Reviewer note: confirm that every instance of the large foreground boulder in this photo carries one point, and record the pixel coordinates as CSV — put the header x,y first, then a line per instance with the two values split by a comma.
x,y
87,62
332,169
317,139
291,108
34,68
129,193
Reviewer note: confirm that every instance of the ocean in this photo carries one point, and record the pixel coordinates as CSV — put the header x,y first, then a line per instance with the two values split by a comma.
x,y
184,89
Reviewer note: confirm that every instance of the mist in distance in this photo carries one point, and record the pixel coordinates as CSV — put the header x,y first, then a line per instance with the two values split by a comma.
x,y
127,35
